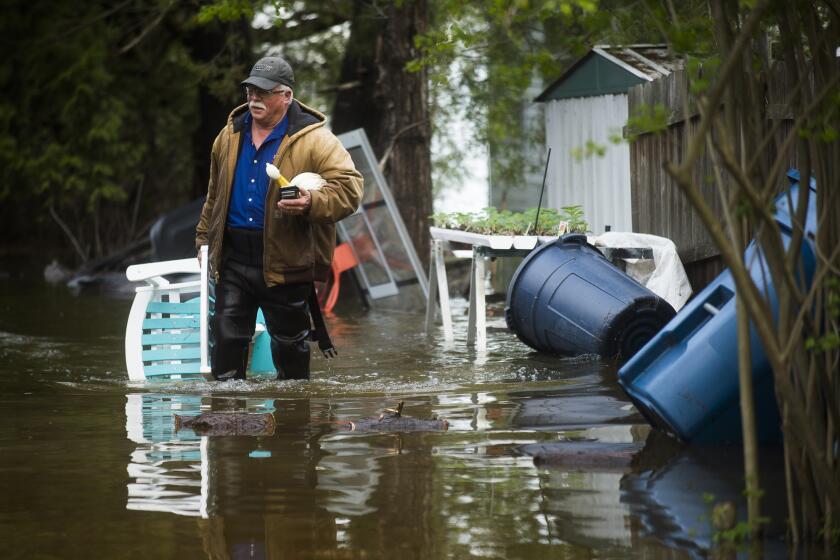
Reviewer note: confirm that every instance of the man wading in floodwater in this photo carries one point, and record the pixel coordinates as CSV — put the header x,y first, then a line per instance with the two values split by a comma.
x,y
266,252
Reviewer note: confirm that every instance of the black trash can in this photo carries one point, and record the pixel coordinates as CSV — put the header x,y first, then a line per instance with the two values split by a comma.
x,y
566,298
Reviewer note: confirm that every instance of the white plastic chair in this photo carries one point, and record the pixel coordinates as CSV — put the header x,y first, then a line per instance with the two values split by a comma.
x,y
167,334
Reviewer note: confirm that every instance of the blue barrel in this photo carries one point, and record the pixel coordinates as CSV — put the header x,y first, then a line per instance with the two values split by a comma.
x,y
685,380
567,299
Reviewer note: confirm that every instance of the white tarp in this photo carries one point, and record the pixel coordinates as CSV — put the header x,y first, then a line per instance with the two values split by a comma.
x,y
665,276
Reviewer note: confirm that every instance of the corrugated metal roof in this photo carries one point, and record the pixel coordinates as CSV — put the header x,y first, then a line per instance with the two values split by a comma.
x,y
651,60
590,74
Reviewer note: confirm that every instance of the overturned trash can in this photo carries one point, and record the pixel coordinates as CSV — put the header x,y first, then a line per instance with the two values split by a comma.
x,y
566,298
685,381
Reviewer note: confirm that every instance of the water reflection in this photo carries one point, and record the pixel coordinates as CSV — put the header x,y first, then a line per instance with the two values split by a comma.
x,y
473,490
673,502
585,508
348,475
246,490
264,504
311,490
169,468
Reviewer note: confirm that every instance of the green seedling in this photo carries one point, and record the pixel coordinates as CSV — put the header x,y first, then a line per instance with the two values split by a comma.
x,y
491,221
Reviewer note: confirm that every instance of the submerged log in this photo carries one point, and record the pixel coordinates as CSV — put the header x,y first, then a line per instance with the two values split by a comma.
x,y
595,456
227,424
656,451
392,420
394,424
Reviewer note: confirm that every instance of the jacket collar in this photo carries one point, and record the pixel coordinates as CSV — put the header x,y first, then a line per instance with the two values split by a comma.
x,y
300,118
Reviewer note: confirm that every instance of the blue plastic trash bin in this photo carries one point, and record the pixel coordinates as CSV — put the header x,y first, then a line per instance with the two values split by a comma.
x,y
685,380
566,298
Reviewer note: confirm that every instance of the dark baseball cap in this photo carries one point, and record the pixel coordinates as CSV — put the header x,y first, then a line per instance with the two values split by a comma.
x,y
269,72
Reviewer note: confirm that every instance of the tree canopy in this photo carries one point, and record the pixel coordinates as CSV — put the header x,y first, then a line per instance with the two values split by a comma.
x,y
108,109
100,104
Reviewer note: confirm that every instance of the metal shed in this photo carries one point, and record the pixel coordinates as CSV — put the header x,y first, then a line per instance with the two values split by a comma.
x,y
588,104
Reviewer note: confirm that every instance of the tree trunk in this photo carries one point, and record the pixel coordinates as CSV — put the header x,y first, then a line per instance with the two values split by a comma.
x,y
748,422
391,104
209,43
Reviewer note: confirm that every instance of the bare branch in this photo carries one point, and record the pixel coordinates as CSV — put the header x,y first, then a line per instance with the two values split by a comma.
x,y
729,66
769,220
387,154
731,255
59,37
154,23
302,27
342,87
75,242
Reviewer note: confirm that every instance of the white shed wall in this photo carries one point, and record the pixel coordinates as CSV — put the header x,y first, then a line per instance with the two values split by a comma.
x,y
601,184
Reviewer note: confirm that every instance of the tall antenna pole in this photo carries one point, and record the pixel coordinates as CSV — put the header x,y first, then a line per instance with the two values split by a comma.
x,y
542,190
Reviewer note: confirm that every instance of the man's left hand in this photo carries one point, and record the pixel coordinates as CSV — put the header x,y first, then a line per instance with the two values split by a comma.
x,y
297,206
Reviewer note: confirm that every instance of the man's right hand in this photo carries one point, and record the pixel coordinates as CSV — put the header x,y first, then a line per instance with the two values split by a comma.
x,y
198,256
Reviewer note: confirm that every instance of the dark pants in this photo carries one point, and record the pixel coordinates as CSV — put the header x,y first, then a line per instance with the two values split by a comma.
x,y
240,292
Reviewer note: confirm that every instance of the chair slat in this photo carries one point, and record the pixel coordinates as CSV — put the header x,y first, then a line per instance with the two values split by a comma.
x,y
189,337
169,369
171,323
189,353
184,307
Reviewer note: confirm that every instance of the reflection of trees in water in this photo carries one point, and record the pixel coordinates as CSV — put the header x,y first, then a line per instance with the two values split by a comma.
x,y
212,532
256,496
348,475
382,487
404,517
310,491
585,507
264,503
667,499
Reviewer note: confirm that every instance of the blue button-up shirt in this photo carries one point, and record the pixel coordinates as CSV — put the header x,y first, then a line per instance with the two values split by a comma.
x,y
250,182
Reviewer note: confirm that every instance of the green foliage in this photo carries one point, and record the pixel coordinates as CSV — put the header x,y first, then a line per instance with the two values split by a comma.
x,y
225,10
722,516
647,120
825,343
487,60
590,149
824,127
829,340
737,534
491,221
298,31
752,493
89,111
684,25
832,535
98,98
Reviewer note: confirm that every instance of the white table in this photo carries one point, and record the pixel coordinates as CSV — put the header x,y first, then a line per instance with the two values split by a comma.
x,y
484,246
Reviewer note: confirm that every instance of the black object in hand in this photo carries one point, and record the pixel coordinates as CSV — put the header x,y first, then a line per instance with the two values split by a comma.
x,y
287,193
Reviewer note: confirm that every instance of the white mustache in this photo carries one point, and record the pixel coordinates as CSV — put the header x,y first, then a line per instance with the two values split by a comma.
x,y
256,105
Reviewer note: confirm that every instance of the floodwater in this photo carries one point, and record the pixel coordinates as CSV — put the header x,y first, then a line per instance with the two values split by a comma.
x,y
91,467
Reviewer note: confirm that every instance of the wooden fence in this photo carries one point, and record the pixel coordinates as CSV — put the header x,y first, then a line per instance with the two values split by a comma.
x,y
658,206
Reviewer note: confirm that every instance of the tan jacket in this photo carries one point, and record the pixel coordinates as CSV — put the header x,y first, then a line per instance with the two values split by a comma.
x,y
297,248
